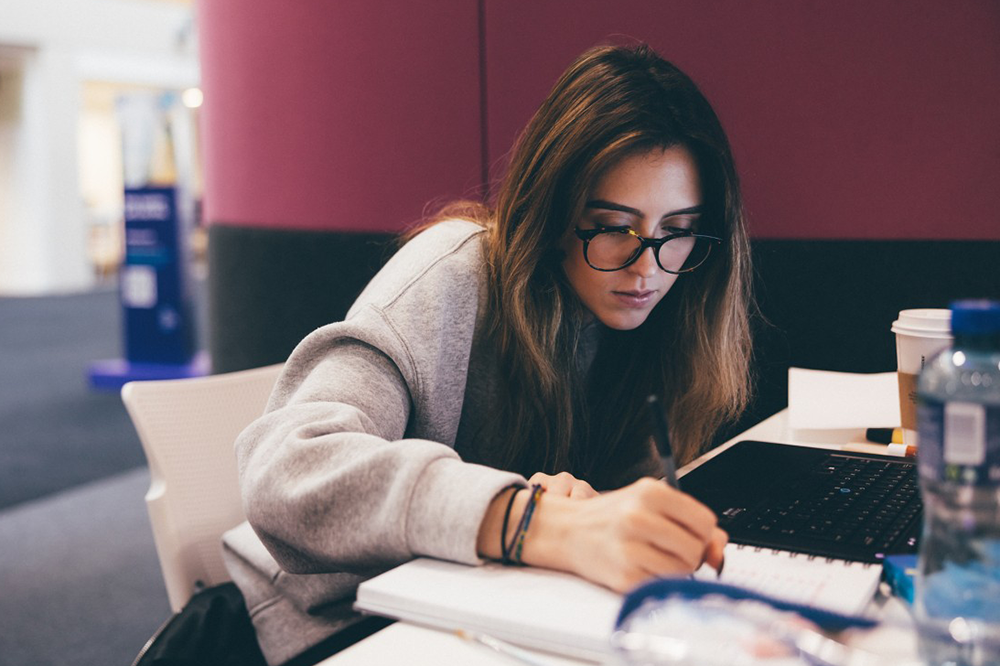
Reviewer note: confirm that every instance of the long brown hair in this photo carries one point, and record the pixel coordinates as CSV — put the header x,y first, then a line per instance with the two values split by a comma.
x,y
693,349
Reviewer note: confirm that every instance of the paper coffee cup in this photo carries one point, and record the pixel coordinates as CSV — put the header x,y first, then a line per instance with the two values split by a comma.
x,y
919,335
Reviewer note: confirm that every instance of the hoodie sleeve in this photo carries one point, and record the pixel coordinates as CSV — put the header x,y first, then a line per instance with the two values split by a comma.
x,y
352,468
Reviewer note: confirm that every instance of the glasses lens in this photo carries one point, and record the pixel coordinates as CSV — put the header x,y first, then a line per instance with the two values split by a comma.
x,y
612,250
683,254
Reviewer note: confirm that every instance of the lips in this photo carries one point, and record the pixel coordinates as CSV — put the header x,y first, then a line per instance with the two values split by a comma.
x,y
634,299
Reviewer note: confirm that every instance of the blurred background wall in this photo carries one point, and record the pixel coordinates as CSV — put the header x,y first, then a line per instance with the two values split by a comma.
x,y
863,119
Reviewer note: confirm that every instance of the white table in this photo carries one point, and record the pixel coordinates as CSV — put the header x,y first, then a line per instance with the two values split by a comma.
x,y
406,643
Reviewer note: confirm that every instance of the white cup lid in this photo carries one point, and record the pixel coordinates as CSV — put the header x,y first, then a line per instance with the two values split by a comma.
x,y
925,321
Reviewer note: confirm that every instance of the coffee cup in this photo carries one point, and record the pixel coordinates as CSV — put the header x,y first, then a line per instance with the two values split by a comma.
x,y
920,334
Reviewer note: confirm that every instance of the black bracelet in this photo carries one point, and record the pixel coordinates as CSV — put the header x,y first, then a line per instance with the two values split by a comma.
x,y
504,548
522,527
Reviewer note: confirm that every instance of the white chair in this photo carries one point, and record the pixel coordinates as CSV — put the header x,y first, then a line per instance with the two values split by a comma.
x,y
187,428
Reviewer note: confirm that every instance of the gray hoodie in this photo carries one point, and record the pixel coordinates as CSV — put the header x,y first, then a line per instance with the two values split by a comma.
x,y
366,454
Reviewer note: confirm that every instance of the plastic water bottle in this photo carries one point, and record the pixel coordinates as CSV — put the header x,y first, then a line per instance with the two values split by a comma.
x,y
957,590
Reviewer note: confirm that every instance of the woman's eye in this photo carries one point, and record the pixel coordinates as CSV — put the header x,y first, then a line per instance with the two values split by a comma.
x,y
680,226
612,223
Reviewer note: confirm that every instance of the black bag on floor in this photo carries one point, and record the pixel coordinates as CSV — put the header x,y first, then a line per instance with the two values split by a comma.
x,y
213,629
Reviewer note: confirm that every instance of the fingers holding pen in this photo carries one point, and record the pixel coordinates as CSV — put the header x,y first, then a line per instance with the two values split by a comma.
x,y
683,509
676,543
715,553
703,523
623,537
681,527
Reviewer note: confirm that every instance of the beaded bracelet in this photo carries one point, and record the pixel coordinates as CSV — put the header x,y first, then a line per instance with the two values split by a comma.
x,y
504,548
529,511
517,543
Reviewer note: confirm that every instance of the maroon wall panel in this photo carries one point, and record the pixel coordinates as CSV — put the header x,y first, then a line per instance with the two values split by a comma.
x,y
346,115
849,119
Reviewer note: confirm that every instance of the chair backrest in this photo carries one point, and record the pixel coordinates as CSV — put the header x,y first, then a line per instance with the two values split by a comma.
x,y
187,428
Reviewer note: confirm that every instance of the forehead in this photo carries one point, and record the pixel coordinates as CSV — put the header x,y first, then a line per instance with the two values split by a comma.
x,y
651,180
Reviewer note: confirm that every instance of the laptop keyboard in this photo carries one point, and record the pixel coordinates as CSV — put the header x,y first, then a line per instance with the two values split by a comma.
x,y
843,500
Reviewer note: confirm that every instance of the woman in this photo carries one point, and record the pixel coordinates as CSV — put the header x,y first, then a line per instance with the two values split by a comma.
x,y
517,341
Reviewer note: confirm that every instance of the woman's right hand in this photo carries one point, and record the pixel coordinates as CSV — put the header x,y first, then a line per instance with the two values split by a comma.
x,y
621,538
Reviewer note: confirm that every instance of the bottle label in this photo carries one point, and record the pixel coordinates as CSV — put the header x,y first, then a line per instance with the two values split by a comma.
x,y
959,442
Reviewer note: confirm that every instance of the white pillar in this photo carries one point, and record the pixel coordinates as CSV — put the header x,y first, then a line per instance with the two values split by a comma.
x,y
48,49
43,232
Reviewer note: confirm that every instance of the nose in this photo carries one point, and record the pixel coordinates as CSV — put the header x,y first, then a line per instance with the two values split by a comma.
x,y
645,266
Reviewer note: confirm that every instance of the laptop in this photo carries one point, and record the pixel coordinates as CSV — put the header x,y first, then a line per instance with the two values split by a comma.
x,y
835,504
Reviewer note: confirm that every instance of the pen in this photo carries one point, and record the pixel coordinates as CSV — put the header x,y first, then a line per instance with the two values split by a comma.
x,y
661,435
662,438
500,647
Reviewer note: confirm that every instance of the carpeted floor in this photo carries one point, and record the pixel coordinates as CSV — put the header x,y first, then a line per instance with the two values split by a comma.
x,y
55,432
80,581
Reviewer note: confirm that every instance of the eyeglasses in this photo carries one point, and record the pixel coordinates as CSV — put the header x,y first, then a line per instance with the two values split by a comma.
x,y
614,248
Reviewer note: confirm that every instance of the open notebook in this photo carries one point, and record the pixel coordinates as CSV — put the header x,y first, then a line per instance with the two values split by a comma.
x,y
564,614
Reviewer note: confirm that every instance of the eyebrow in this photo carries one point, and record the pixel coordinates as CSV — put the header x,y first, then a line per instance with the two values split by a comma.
x,y
610,205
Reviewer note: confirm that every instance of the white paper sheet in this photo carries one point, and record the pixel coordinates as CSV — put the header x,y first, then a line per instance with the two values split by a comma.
x,y
824,400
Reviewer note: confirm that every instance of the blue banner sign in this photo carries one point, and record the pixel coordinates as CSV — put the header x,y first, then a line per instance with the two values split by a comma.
x,y
156,302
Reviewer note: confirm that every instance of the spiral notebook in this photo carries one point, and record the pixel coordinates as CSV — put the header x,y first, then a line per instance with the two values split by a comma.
x,y
837,585
564,614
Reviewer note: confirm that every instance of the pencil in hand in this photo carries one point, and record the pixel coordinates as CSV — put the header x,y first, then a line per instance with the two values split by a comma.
x,y
661,435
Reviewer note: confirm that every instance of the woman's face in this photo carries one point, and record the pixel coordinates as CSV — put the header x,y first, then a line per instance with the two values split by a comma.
x,y
654,193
